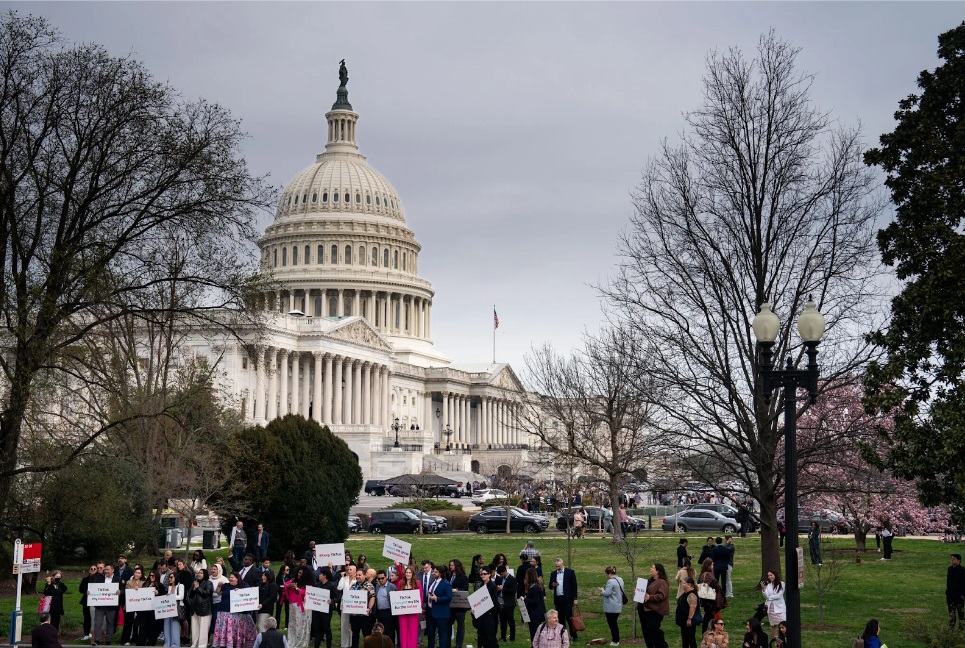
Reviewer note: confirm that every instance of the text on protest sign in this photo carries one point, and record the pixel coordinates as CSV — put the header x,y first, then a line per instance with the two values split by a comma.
x,y
330,553
397,550
355,602
139,600
165,607
103,594
244,600
405,602
640,590
480,602
318,599
460,600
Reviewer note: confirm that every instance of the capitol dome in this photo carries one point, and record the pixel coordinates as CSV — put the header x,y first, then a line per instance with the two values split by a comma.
x,y
339,245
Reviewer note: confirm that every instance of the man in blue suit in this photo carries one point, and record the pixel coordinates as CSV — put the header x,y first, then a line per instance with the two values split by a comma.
x,y
437,619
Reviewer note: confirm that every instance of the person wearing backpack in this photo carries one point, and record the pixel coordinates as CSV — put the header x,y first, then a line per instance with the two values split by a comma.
x,y
613,600
552,633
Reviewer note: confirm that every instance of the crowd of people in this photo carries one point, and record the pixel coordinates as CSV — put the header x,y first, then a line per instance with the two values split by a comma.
x,y
550,599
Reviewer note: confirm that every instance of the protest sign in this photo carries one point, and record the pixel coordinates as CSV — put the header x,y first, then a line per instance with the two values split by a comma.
x,y
318,599
330,553
640,590
405,602
480,602
139,600
397,550
355,602
165,607
460,600
103,594
244,600
523,612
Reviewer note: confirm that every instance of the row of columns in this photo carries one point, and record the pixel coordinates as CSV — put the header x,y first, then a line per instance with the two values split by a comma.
x,y
388,312
330,388
497,420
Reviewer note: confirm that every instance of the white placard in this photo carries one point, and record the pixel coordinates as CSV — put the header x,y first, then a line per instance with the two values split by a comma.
x,y
330,553
397,550
318,599
510,571
139,600
405,602
640,590
355,602
244,599
165,607
103,594
523,612
480,602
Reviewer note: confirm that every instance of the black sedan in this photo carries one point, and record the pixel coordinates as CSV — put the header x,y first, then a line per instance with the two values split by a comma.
x,y
494,519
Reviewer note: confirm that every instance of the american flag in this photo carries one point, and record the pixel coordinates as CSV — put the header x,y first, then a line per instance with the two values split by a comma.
x,y
495,318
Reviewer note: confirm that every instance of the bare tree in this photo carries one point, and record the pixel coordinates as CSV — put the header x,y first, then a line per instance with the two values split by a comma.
x,y
764,200
594,406
102,169
823,577
631,547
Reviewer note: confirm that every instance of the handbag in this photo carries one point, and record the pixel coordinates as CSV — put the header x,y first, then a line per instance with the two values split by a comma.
x,y
576,621
706,593
623,595
43,606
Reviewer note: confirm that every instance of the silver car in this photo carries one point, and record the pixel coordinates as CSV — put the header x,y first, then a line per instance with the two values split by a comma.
x,y
700,520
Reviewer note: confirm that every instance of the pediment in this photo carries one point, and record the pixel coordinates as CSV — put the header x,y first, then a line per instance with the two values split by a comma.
x,y
506,378
359,332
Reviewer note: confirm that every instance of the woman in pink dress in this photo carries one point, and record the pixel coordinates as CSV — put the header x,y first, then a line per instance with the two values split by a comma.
x,y
409,623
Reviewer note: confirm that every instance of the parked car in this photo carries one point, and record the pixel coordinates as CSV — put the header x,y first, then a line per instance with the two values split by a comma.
x,y
452,490
375,487
399,521
480,497
827,521
440,521
700,520
728,511
354,524
494,519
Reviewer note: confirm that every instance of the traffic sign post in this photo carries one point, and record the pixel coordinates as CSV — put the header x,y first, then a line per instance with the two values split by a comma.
x,y
26,560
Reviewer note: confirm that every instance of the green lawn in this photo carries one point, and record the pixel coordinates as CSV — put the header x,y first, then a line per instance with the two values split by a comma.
x,y
905,594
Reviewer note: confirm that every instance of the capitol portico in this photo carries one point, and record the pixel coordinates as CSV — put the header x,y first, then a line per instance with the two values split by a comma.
x,y
349,332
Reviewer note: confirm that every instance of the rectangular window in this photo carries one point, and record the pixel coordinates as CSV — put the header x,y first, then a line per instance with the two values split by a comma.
x,y
244,363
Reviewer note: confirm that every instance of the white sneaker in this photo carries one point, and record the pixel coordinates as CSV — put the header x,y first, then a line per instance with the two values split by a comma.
x,y
84,638
614,643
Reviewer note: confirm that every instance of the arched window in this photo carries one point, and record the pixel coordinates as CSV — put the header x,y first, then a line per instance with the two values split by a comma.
x,y
361,256
324,196
308,254
375,257
304,199
346,197
314,197
335,197
334,255
404,266
284,256
348,255
275,261
333,306
395,259
378,202
347,307
385,258
318,307
368,199
358,199
295,255
321,255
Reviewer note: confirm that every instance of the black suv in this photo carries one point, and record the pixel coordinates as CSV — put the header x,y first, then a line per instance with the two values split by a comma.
x,y
494,519
375,487
399,521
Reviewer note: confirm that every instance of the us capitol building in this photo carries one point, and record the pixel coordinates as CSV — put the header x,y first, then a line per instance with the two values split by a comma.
x,y
349,334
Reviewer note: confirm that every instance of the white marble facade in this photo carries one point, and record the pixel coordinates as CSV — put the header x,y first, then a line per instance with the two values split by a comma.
x,y
349,340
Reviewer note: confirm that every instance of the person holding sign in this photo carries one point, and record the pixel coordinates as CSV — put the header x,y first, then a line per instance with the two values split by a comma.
x,y
460,582
233,629
105,616
172,625
345,584
485,623
506,584
299,619
409,623
362,623
655,606
437,617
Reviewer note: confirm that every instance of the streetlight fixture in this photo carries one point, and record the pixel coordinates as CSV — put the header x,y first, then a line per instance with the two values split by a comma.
x,y
448,434
397,426
810,327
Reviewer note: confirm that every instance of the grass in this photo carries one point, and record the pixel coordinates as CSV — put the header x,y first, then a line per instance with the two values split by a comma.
x,y
905,594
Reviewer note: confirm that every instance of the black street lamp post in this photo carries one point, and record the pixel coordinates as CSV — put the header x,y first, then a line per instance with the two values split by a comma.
x,y
397,426
448,436
811,328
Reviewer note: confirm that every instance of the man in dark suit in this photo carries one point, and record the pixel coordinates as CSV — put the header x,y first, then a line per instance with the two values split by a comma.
x,y
565,595
261,543
105,616
248,573
45,635
682,552
437,617
506,585
124,571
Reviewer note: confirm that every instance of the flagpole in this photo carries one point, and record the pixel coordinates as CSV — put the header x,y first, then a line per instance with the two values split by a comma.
x,y
494,333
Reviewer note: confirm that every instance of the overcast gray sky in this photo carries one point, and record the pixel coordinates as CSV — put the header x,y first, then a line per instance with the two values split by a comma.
x,y
513,132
